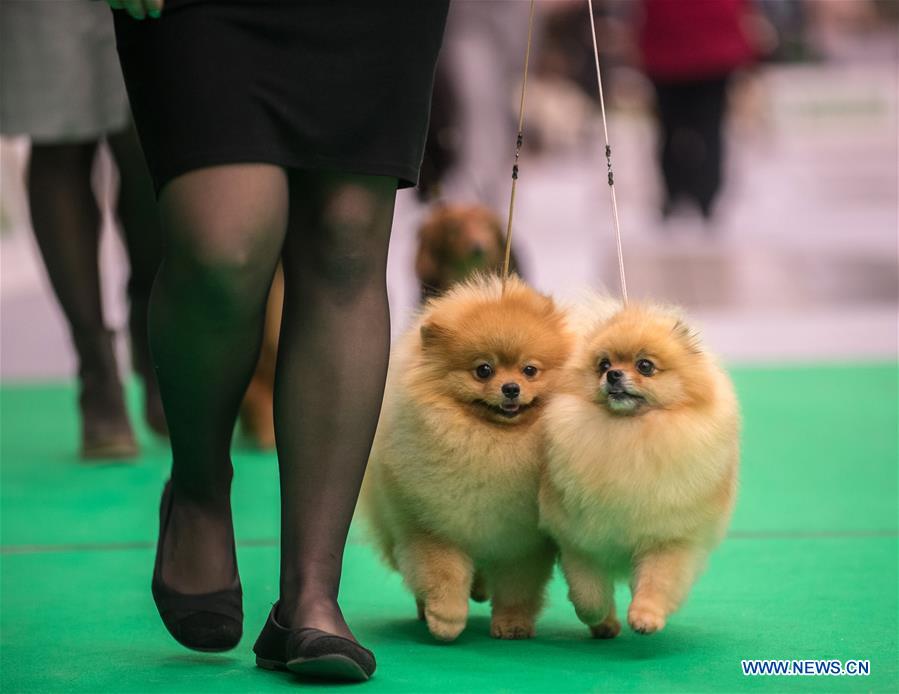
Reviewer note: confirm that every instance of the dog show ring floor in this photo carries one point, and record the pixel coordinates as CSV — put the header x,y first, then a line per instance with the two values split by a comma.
x,y
808,571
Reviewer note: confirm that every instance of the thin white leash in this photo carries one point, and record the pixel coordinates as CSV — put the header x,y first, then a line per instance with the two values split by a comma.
x,y
518,142
605,129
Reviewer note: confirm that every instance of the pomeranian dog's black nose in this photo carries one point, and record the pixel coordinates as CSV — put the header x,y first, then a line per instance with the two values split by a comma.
x,y
614,376
511,390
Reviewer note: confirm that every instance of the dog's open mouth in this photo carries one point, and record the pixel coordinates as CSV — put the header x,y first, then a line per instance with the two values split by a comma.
x,y
508,409
624,400
619,395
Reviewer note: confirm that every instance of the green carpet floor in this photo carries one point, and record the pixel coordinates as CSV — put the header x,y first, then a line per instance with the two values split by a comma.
x,y
809,570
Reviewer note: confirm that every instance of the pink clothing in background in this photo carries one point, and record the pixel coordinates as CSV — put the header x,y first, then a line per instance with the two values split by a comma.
x,y
693,39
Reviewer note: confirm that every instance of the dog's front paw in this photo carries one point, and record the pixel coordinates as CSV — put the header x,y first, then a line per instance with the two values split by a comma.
x,y
608,628
509,627
444,625
645,619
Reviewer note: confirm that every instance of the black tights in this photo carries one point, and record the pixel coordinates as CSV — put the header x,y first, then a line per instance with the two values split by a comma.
x,y
226,228
66,221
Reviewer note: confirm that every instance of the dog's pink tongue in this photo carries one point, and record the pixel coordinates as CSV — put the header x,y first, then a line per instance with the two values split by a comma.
x,y
510,406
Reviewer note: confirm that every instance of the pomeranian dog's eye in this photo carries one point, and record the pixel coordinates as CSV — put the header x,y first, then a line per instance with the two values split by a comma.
x,y
646,367
529,371
603,366
483,371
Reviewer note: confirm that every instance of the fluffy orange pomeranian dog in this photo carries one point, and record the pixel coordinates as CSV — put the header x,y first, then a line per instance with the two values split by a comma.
x,y
641,469
451,488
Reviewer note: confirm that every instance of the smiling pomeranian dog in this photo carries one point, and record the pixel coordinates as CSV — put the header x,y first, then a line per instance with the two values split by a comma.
x,y
451,488
641,469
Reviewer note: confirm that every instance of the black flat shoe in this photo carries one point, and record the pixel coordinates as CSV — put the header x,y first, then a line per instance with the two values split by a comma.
x,y
209,622
312,653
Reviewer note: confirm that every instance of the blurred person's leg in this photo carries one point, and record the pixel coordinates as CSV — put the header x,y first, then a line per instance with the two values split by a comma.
x,y
139,221
223,229
483,54
485,127
669,111
709,110
66,223
332,364
691,116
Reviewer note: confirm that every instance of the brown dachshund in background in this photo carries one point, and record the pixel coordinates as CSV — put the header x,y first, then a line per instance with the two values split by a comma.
x,y
455,241
257,419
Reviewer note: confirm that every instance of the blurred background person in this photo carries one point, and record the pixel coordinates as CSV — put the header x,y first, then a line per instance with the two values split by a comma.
x,y
61,85
471,140
690,50
479,69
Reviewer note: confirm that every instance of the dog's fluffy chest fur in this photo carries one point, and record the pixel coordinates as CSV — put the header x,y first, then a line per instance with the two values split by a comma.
x,y
614,485
474,483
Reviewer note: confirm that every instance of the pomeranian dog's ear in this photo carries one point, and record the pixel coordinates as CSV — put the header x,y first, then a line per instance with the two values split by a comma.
x,y
548,305
688,336
434,334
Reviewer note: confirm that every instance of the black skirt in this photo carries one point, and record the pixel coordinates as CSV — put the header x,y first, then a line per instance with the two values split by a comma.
x,y
331,85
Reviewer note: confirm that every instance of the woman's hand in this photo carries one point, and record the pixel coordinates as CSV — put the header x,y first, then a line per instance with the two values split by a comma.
x,y
139,9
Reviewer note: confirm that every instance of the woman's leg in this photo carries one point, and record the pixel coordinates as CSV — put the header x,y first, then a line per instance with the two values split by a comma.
x,y
66,223
139,222
223,227
332,363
